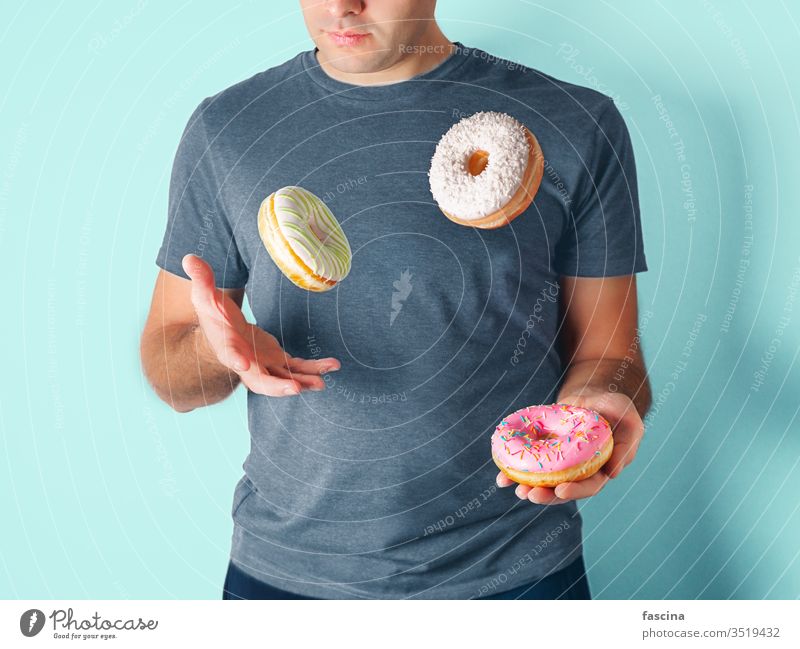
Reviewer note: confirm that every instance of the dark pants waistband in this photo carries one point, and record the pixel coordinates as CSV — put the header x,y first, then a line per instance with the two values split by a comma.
x,y
568,583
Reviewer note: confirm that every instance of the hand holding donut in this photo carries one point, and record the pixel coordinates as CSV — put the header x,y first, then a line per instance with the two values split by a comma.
x,y
255,355
628,429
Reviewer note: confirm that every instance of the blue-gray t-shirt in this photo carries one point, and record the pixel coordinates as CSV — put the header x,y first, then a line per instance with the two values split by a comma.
x,y
382,485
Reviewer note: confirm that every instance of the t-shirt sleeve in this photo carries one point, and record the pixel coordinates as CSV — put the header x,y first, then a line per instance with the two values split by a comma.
x,y
603,236
196,219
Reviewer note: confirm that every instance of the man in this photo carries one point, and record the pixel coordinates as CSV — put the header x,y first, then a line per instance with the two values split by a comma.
x,y
371,406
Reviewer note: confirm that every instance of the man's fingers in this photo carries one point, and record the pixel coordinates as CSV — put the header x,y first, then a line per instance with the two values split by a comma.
x,y
233,350
272,355
198,270
538,495
312,366
235,355
312,381
502,480
621,456
543,496
202,276
627,424
581,488
628,430
258,380
562,493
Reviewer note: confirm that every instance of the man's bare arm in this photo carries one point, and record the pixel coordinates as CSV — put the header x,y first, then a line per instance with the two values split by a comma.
x,y
197,345
605,371
176,357
600,342
613,375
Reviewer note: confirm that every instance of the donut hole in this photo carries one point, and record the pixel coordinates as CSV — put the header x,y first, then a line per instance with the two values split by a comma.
x,y
477,162
319,234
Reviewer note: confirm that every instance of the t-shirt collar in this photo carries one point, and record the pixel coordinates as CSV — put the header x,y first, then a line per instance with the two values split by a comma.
x,y
416,84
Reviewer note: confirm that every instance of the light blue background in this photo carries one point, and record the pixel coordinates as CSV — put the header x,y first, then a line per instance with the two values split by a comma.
x,y
107,493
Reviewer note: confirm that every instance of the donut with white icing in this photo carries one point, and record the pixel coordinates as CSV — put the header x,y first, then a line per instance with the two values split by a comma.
x,y
304,238
543,446
486,170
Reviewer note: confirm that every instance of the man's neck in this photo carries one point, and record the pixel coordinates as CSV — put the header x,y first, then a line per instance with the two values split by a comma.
x,y
420,58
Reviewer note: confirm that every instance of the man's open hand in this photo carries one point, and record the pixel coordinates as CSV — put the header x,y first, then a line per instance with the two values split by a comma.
x,y
255,355
627,430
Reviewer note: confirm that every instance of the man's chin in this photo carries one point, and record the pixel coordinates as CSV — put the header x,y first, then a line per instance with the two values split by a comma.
x,y
351,62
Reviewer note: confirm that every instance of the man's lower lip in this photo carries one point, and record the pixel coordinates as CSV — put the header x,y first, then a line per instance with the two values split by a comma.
x,y
342,39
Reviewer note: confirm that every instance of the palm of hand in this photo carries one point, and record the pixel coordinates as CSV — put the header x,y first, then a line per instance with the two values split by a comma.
x,y
254,354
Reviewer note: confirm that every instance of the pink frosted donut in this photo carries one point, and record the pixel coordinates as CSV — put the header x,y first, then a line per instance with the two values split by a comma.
x,y
542,446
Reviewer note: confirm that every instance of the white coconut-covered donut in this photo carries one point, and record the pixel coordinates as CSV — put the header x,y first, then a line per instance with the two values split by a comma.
x,y
485,169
